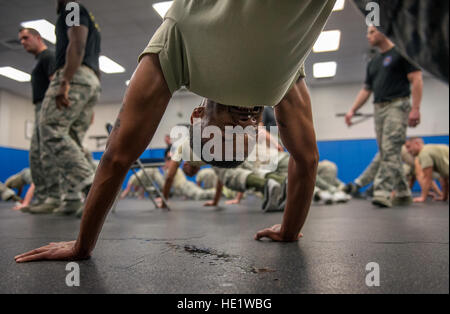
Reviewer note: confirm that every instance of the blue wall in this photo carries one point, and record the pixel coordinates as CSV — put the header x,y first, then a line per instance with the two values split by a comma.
x,y
351,156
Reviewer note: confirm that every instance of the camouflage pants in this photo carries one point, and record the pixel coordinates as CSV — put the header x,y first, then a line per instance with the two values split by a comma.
x,y
152,173
5,192
369,174
326,179
419,28
66,153
44,174
391,122
192,191
207,177
235,178
24,177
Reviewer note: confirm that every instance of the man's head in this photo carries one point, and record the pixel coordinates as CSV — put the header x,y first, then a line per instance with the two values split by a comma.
x,y
211,116
375,37
31,40
190,170
414,145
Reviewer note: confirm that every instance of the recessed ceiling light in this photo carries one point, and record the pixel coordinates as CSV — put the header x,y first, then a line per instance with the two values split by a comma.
x,y
328,41
127,82
324,69
15,74
109,66
339,5
162,7
44,27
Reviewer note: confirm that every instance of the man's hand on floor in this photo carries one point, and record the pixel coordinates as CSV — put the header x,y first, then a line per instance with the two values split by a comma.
x,y
62,251
274,233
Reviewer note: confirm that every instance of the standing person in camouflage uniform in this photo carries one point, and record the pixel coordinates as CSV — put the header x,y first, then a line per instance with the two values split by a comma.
x,y
392,79
45,176
69,102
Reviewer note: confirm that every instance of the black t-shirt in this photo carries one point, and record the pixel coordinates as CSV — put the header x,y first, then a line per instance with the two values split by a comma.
x,y
387,76
43,69
268,118
92,50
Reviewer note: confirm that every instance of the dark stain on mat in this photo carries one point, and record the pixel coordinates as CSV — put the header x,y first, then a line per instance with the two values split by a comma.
x,y
199,252
237,261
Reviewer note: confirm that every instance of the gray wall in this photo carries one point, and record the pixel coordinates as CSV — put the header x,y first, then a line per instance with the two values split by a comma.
x,y
327,101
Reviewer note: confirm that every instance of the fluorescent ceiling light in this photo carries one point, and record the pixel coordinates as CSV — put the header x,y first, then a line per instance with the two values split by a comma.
x,y
109,66
324,69
162,7
339,5
328,41
15,74
44,27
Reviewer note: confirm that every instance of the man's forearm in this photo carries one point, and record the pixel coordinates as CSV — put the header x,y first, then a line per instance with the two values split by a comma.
x,y
167,186
295,122
425,184
300,192
144,105
416,92
361,99
108,179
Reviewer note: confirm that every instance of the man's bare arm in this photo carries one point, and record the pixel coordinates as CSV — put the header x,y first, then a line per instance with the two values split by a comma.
x,y
295,122
416,80
361,99
217,196
171,172
144,105
424,176
75,50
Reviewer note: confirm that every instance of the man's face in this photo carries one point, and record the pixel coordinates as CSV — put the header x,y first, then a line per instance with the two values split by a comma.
x,y
30,42
374,36
217,117
413,147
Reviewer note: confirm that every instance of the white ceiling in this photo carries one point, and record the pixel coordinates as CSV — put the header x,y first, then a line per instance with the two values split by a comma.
x,y
127,25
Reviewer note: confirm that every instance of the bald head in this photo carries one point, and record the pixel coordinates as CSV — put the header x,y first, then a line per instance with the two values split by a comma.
x,y
414,145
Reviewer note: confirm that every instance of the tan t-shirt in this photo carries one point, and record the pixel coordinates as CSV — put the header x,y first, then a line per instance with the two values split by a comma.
x,y
435,156
236,52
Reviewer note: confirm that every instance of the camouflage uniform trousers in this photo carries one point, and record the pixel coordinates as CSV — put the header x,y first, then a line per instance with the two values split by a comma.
x,y
369,174
152,173
5,192
391,122
24,177
67,154
234,178
192,191
44,174
326,179
420,29
207,178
